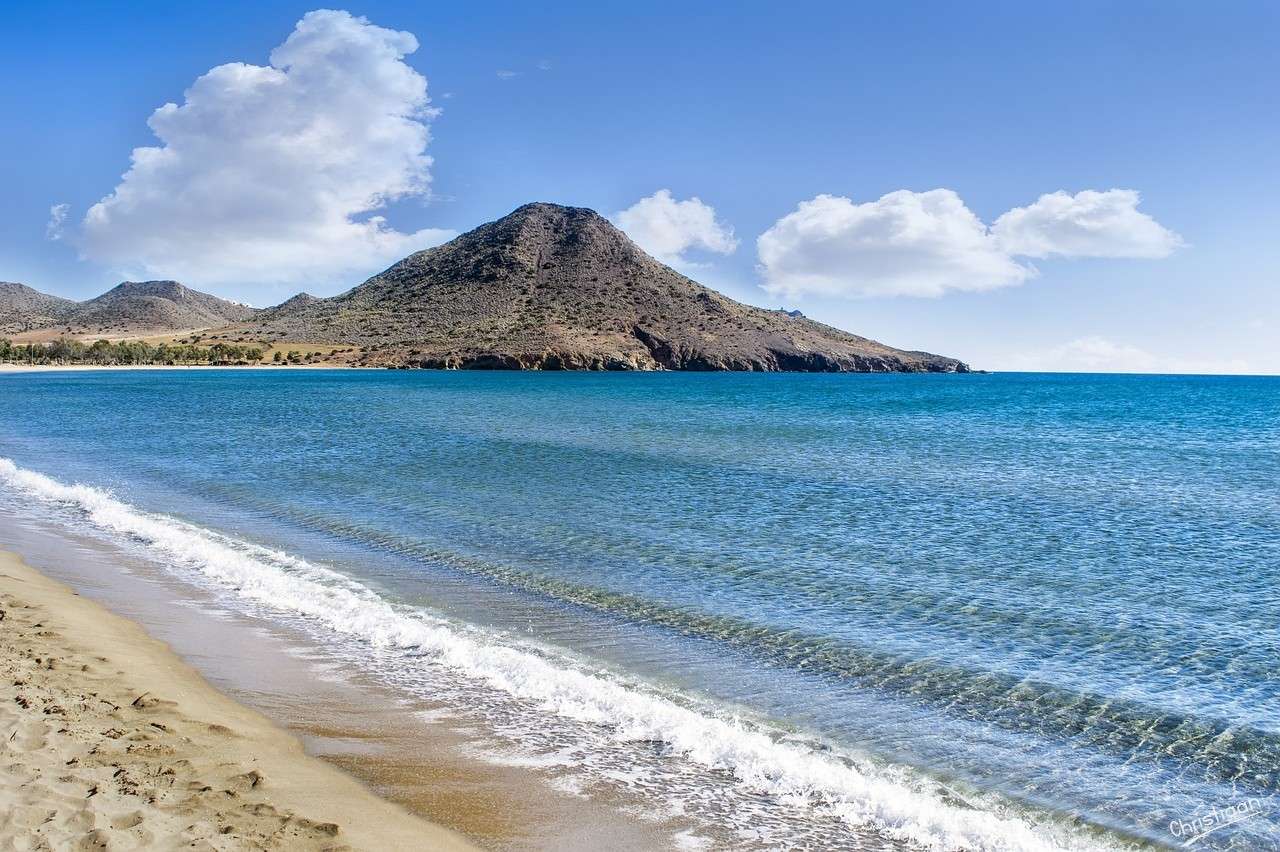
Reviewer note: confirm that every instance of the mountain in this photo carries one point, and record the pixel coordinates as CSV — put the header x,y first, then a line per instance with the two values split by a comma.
x,y
546,287
552,287
131,308
22,308
155,306
290,306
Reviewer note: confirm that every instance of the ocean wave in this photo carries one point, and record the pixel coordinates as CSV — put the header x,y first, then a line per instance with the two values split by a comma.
x,y
891,801
1138,730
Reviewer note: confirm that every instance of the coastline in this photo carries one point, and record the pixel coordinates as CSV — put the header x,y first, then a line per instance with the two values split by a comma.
x,y
341,597
115,740
70,368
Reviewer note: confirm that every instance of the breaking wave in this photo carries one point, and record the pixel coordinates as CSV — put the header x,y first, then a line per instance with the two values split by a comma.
x,y
889,801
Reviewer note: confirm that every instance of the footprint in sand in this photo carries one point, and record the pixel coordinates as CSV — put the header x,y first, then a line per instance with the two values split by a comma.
x,y
93,840
30,736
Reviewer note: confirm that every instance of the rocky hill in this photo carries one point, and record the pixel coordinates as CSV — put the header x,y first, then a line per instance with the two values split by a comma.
x,y
289,307
136,307
133,308
552,287
23,309
546,287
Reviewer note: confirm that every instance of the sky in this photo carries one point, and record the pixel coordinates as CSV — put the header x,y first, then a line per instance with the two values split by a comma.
x,y
1082,186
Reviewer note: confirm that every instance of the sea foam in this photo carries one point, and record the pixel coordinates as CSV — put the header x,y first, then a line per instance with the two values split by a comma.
x,y
890,801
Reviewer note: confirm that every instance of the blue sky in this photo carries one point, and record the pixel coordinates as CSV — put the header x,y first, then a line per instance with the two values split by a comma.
x,y
754,110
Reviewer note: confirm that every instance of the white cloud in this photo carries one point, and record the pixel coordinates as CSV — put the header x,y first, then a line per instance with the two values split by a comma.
x,y
507,74
57,219
667,228
929,243
1087,224
905,244
271,173
1099,355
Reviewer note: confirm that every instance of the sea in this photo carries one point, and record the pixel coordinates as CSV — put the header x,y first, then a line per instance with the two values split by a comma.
x,y
1002,611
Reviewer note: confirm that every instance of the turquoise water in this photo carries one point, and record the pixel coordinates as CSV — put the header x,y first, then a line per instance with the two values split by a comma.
x,y
941,610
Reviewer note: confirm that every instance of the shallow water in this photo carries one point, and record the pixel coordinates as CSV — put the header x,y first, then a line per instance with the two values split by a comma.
x,y
998,611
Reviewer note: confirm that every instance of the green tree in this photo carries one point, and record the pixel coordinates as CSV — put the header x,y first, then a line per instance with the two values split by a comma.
x,y
102,352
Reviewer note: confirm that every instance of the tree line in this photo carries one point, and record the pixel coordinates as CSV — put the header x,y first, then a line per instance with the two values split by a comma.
x,y
105,352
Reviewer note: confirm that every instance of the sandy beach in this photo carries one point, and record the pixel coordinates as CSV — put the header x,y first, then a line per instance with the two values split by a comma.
x,y
112,742
84,368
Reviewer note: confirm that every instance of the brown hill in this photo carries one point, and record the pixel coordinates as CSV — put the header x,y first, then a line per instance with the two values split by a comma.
x,y
131,308
551,287
23,309
286,308
152,307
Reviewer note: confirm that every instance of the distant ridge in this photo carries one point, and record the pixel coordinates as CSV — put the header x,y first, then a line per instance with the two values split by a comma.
x,y
155,306
546,287
288,307
553,287
130,308
23,309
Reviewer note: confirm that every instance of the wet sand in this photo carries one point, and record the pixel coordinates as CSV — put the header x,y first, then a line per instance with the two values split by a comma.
x,y
112,741
435,761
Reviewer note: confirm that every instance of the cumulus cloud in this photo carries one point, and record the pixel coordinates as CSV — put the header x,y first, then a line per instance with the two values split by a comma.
x,y
1096,354
667,228
929,243
1087,224
905,244
274,173
57,220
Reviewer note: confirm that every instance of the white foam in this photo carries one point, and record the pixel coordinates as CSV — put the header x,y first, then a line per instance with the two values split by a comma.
x,y
691,841
524,759
897,804
436,715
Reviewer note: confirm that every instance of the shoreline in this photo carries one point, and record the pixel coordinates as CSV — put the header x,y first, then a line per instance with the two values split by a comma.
x,y
69,368
120,743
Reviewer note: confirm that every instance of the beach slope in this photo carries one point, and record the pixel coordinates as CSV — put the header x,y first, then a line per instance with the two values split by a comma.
x,y
111,741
